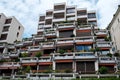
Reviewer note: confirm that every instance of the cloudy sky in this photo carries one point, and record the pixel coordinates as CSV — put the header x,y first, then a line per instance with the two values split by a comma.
x,y
27,11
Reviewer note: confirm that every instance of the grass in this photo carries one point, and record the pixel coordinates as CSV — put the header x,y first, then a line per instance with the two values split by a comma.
x,y
97,79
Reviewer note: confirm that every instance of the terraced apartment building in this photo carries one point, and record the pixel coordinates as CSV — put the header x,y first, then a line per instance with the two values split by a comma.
x,y
67,40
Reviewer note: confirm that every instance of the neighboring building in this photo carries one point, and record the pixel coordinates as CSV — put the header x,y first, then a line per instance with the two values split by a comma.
x,y
67,41
10,29
114,28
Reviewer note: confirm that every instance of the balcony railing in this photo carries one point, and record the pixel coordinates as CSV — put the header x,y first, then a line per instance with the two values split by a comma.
x,y
2,45
40,30
38,37
10,64
13,54
71,18
58,19
103,45
28,60
34,48
82,16
50,44
107,60
44,60
84,55
84,40
67,25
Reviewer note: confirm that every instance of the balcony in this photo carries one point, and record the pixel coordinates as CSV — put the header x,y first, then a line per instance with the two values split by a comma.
x,y
48,26
85,27
62,57
49,17
47,45
59,8
13,54
101,33
107,60
11,46
71,19
9,65
58,19
38,37
103,44
82,16
65,42
2,45
40,30
66,25
19,44
46,59
50,34
41,22
84,40
34,48
28,60
27,41
92,19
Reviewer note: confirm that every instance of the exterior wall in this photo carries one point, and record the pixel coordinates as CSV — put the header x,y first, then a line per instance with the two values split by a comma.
x,y
114,28
2,21
13,30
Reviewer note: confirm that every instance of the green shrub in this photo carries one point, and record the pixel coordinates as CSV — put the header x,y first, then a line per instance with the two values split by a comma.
x,y
103,70
61,51
38,54
109,54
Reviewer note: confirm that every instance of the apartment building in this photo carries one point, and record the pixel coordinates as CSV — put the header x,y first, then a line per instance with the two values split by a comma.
x,y
67,41
114,28
10,29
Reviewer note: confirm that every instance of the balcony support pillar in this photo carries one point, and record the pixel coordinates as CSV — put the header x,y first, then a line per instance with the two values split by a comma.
x,y
96,66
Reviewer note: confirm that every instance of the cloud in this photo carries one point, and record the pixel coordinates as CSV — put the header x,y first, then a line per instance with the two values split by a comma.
x,y
106,9
27,11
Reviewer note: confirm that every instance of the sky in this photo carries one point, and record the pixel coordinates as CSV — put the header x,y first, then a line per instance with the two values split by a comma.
x,y
28,11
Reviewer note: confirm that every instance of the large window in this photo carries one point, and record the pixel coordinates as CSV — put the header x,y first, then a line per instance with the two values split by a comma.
x,y
83,47
5,28
8,21
91,15
104,52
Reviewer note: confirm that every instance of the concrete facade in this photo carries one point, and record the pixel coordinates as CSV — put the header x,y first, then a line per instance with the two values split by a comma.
x,y
114,28
10,31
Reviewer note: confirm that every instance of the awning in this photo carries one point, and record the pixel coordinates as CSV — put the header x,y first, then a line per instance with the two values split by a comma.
x,y
45,63
29,64
63,61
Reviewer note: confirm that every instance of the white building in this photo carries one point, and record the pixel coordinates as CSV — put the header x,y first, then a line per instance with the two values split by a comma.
x,y
114,28
10,29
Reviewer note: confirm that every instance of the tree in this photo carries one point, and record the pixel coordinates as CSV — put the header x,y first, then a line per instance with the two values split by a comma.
x,y
24,54
116,54
61,51
38,54
28,68
103,70
109,54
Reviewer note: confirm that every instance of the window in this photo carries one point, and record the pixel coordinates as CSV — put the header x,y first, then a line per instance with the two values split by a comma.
x,y
8,21
91,15
17,34
5,28
105,52
19,27
3,37
118,20
83,47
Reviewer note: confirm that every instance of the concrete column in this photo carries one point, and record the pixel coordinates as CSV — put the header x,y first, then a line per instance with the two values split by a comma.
x,y
54,63
74,63
96,66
